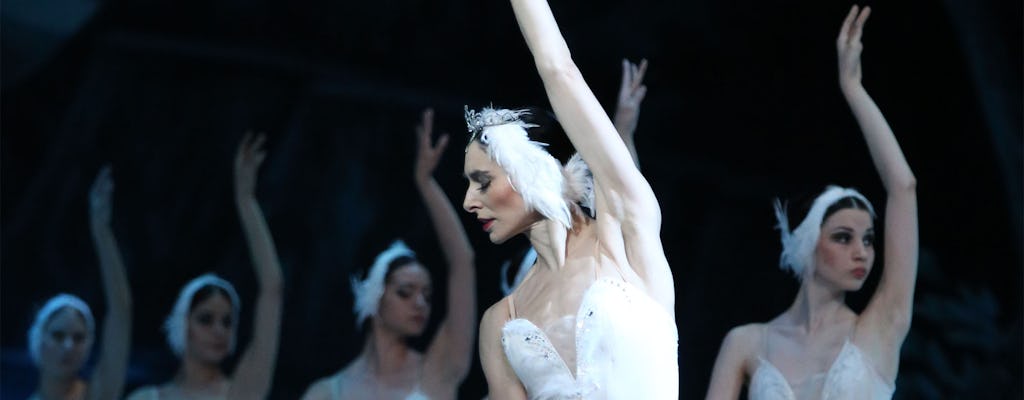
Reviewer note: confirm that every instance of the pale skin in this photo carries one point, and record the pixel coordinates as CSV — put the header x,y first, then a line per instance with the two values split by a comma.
x,y
627,109
809,334
64,347
107,382
253,375
623,243
388,367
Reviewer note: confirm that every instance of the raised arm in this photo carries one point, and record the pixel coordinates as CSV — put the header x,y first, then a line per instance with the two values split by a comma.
x,y
108,380
625,202
627,111
255,370
584,120
889,310
450,354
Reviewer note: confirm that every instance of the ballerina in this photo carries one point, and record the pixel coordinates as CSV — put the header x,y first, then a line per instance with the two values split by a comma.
x,y
594,318
819,347
395,298
63,333
201,327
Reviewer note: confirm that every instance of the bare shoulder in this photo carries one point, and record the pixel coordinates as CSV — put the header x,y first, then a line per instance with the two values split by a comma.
x,y
143,393
491,325
318,390
325,388
494,317
742,344
502,381
321,388
743,339
149,392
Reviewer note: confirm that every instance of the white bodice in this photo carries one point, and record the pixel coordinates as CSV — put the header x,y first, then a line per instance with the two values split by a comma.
x,y
851,377
626,348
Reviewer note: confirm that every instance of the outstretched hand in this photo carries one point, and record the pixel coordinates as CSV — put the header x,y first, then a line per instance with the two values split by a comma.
x,y
849,46
247,162
428,155
101,197
631,94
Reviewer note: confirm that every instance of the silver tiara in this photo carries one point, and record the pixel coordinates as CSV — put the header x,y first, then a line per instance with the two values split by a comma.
x,y
477,121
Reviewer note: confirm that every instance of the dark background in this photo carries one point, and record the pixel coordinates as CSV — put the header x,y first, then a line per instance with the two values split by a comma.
x,y
743,106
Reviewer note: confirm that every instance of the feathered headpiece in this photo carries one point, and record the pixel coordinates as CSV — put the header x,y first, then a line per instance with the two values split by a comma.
x,y
798,244
56,303
176,325
534,173
369,291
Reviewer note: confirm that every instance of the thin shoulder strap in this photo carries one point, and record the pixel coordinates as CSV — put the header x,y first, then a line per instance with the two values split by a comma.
x,y
511,308
419,380
764,341
336,386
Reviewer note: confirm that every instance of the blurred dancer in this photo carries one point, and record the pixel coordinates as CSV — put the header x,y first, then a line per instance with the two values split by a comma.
x,y
63,333
819,348
201,327
395,297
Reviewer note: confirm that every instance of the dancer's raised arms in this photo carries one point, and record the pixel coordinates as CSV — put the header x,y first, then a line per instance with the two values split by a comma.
x,y
255,370
883,325
108,380
450,353
628,214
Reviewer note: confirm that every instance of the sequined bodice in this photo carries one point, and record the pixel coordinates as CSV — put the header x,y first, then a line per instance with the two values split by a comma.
x,y
626,348
850,377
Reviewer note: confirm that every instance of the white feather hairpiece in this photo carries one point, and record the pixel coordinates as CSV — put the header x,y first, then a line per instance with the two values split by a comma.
x,y
798,244
534,173
56,303
488,116
368,291
176,325
580,186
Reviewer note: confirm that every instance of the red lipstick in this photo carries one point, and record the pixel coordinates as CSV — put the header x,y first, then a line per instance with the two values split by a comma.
x,y
487,224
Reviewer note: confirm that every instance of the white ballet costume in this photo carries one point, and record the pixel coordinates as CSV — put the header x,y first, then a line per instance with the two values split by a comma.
x,y
850,377
337,382
626,348
153,393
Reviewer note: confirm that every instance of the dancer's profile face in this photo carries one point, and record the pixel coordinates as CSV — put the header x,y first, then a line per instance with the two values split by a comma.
x,y
845,251
66,343
405,305
491,196
210,329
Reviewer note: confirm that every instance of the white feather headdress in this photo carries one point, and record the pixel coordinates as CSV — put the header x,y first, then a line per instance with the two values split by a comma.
x,y
56,303
368,291
798,244
538,177
176,325
580,186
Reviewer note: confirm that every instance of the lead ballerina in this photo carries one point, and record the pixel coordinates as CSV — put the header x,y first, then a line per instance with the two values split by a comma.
x,y
594,318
